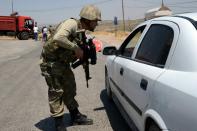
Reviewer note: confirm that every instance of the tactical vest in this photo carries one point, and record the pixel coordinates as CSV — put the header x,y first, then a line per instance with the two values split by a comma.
x,y
54,53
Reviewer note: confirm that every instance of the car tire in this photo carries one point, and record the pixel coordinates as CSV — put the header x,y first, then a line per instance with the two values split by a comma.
x,y
153,127
107,85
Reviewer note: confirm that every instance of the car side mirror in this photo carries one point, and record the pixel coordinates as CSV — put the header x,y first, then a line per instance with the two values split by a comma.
x,y
110,50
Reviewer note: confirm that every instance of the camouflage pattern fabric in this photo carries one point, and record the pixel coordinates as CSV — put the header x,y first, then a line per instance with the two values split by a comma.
x,y
55,66
62,90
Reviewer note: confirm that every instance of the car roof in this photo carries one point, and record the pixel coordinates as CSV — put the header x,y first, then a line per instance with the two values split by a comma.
x,y
192,16
189,15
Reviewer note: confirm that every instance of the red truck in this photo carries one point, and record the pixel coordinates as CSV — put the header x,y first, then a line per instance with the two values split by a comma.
x,y
21,26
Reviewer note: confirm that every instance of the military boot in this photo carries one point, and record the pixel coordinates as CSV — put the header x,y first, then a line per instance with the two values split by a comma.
x,y
59,124
79,119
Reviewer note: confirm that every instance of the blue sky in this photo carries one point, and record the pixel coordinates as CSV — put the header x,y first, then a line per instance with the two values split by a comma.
x,y
54,11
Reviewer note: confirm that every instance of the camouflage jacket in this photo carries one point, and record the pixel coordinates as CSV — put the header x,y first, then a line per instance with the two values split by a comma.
x,y
61,45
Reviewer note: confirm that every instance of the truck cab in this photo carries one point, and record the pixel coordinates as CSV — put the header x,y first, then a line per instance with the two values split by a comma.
x,y
25,26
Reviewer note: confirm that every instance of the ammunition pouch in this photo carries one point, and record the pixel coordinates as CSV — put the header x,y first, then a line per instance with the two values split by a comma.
x,y
58,69
44,69
53,69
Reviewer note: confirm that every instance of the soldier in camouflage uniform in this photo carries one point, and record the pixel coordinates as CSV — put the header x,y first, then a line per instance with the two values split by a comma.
x,y
58,52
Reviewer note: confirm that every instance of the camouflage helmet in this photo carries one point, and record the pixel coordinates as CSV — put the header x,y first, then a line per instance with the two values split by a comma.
x,y
90,12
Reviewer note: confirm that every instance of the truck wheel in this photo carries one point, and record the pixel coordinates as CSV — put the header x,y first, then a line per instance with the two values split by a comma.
x,y
24,36
19,36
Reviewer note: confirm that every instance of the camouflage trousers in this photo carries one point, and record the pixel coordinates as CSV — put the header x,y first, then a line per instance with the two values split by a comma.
x,y
61,91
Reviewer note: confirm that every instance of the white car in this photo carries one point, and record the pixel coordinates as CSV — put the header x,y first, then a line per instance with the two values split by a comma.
x,y
152,76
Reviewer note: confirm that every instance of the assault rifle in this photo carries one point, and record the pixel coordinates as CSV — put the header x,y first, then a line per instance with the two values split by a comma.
x,y
89,56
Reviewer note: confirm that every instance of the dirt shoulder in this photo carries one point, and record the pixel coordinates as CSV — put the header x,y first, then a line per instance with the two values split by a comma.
x,y
7,38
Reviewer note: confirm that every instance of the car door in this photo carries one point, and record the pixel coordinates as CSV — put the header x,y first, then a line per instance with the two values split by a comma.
x,y
148,62
118,65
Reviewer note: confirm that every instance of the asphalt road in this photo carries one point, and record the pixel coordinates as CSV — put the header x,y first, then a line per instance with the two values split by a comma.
x,y
23,93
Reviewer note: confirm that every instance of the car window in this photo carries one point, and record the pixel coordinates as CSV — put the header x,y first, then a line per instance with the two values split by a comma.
x,y
156,44
131,41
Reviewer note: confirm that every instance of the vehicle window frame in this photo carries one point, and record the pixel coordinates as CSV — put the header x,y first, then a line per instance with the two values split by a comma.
x,y
128,39
149,63
194,23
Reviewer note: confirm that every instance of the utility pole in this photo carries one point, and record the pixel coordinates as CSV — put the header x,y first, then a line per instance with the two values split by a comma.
x,y
123,15
12,6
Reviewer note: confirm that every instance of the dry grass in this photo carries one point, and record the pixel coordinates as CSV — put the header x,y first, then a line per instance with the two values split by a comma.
x,y
119,35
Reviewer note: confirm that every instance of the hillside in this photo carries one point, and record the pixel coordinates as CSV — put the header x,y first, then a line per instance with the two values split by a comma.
x,y
108,25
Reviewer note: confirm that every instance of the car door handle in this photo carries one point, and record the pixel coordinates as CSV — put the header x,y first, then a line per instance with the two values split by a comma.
x,y
143,84
121,71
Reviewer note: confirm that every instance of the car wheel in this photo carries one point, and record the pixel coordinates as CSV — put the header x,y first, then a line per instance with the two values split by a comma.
x,y
154,127
107,85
